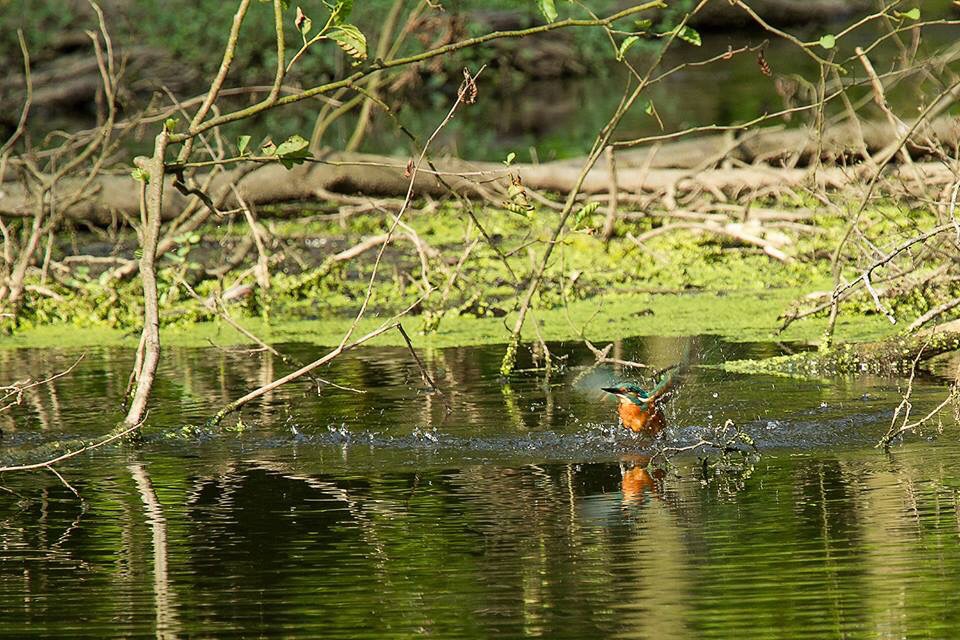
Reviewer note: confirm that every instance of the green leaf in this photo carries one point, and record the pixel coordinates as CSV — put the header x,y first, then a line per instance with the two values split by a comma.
x,y
268,148
913,14
628,42
828,41
242,143
292,145
510,158
170,124
585,212
643,24
688,34
292,151
140,175
548,9
648,107
351,40
303,24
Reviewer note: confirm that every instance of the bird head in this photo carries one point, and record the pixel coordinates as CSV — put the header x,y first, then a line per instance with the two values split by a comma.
x,y
629,392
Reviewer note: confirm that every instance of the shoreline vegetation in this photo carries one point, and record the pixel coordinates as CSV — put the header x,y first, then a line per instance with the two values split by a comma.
x,y
645,314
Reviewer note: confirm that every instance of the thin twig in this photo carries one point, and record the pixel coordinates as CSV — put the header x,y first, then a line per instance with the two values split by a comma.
x,y
423,370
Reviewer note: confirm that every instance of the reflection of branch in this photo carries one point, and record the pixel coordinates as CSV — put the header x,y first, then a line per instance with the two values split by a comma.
x,y
64,481
17,388
362,511
167,626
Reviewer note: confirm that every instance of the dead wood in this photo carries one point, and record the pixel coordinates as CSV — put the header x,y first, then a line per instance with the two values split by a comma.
x,y
891,355
667,175
71,83
715,15
722,15
751,234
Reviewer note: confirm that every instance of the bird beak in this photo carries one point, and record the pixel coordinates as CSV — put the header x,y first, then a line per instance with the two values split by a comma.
x,y
612,390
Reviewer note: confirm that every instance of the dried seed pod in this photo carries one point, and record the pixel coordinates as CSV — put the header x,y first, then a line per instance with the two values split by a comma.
x,y
764,65
468,89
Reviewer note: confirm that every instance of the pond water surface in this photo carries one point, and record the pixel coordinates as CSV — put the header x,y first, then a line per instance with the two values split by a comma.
x,y
523,511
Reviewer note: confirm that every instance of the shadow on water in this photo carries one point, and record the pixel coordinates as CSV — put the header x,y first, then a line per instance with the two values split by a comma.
x,y
525,511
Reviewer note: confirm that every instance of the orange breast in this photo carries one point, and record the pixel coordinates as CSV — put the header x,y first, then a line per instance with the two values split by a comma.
x,y
641,419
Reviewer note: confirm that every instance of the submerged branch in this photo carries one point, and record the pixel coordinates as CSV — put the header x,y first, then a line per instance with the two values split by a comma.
x,y
892,355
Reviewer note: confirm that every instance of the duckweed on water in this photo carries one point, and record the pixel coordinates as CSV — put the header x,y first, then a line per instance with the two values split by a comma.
x,y
737,316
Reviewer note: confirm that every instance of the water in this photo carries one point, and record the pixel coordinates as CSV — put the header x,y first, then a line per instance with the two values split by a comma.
x,y
521,513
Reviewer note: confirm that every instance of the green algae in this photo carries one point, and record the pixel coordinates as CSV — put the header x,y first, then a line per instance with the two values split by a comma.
x,y
736,315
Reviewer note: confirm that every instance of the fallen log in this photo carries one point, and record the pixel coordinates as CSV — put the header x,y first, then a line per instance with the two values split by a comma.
x,y
715,15
670,173
69,84
892,355
800,146
725,15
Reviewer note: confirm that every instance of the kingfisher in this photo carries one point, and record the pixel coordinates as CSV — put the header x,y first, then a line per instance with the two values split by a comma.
x,y
636,481
641,411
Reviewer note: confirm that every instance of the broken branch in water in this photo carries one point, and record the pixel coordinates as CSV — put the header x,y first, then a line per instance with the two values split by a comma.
x,y
902,412
735,454
602,356
48,464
